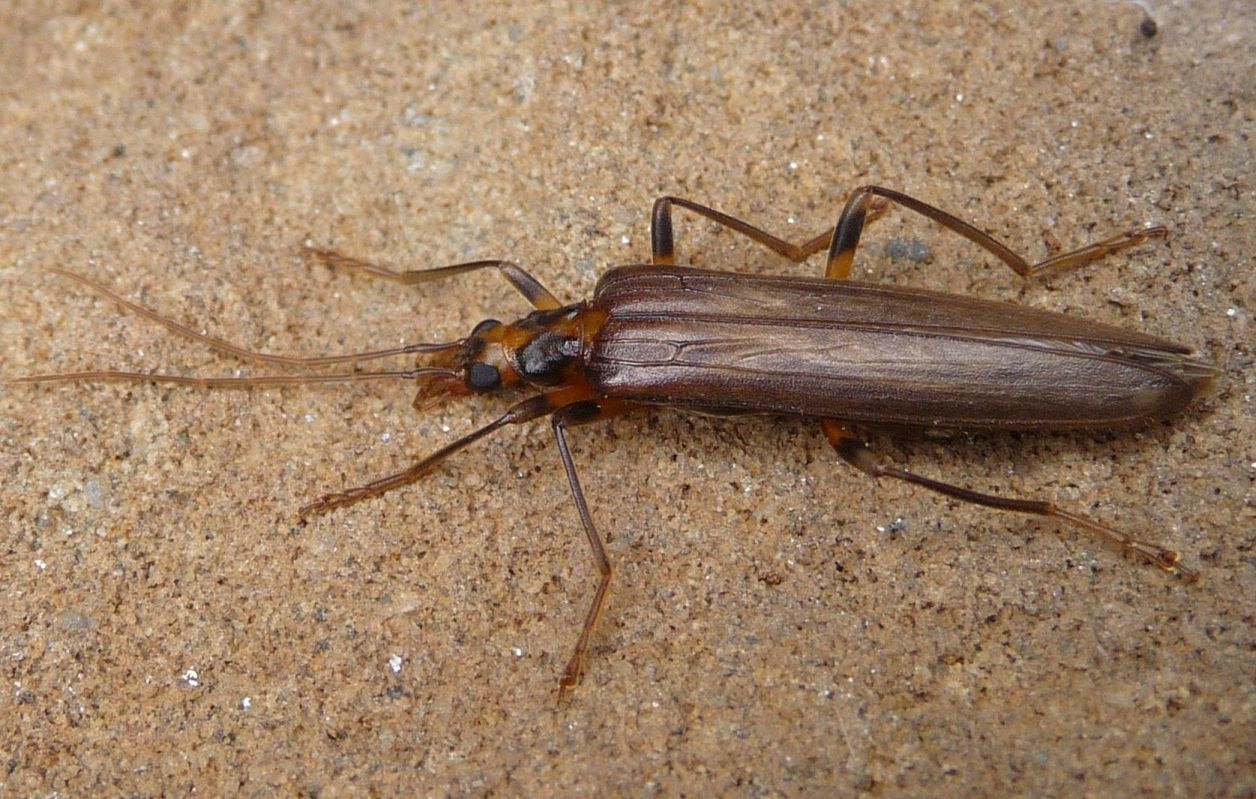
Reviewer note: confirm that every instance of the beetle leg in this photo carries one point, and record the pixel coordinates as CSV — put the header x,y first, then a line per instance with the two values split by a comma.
x,y
863,202
663,245
578,413
527,410
527,285
857,454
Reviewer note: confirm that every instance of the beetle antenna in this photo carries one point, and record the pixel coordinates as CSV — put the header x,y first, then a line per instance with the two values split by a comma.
x,y
227,348
260,381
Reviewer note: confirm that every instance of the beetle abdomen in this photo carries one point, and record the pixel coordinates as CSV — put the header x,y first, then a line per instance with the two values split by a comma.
x,y
874,354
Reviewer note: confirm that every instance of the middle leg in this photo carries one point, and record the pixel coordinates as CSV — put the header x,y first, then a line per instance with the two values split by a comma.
x,y
663,245
579,413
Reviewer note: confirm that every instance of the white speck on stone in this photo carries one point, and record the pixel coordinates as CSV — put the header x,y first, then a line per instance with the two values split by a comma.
x,y
246,703
394,663
94,493
39,564
191,678
624,240
57,492
793,164
959,98
516,651
1231,312
309,418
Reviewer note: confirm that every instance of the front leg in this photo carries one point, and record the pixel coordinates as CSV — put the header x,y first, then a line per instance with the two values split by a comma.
x,y
515,275
524,411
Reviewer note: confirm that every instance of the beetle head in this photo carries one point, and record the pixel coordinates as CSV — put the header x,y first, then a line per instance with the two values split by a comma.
x,y
478,364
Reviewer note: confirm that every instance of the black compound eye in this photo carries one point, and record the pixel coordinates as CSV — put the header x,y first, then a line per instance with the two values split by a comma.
x,y
483,377
485,325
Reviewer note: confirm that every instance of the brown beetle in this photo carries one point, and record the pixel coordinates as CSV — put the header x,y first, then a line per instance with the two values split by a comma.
x,y
854,355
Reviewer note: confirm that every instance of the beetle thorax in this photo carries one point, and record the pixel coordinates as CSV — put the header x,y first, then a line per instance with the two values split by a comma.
x,y
547,344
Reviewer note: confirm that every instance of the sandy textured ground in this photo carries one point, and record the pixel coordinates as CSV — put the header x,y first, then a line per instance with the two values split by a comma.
x,y
781,625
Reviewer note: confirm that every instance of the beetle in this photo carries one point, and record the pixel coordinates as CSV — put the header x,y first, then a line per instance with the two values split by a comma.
x,y
856,356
